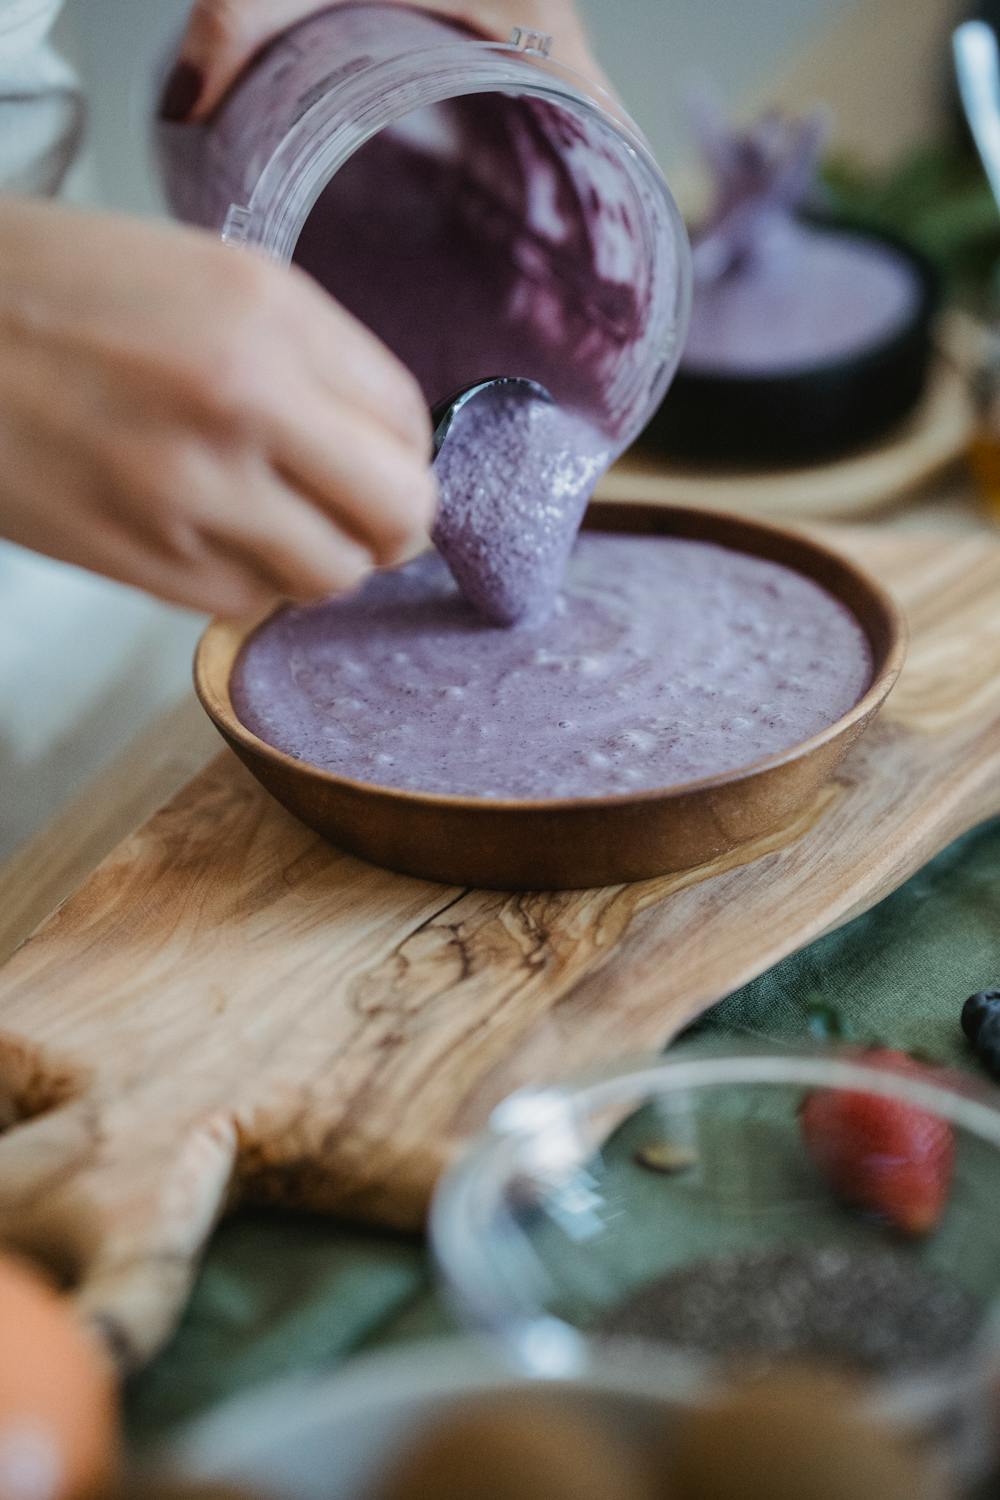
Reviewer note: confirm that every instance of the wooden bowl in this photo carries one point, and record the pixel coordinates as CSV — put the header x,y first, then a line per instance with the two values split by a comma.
x,y
570,843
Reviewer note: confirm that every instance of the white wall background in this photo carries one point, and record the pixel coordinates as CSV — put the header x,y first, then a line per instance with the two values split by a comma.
x,y
85,664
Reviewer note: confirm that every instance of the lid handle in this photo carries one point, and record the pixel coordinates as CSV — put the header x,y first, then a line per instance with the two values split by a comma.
x,y
236,229
537,43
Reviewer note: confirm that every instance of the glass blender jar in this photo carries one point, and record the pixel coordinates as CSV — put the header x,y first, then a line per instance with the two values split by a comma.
x,y
484,210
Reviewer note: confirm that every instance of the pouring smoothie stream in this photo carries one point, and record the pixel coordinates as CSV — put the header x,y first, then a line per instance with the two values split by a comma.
x,y
496,215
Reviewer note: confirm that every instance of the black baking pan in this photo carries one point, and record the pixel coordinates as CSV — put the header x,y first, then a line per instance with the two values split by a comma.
x,y
808,414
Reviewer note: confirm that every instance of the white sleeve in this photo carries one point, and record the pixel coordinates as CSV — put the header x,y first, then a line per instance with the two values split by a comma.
x,y
84,663
41,110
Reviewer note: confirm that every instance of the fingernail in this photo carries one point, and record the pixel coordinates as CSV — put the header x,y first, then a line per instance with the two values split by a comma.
x,y
182,92
358,563
30,1468
413,550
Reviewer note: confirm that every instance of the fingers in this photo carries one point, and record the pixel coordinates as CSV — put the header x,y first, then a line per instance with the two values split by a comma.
x,y
231,542
223,35
559,19
352,364
327,496
221,38
283,539
215,584
378,490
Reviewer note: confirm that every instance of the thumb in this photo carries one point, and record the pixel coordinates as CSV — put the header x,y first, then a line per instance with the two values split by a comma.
x,y
31,1467
558,18
221,38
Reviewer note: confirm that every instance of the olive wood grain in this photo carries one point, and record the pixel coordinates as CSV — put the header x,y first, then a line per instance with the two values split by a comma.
x,y
228,1009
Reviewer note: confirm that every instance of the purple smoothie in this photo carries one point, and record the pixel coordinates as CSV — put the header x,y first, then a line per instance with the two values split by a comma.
x,y
475,247
814,297
490,233
515,475
774,293
664,661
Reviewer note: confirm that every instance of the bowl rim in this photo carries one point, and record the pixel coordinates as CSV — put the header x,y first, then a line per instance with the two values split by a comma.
x,y
438,1364
441,1369
887,665
486,1296
962,1097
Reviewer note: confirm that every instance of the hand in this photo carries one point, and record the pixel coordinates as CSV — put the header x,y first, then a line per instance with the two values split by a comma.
x,y
193,420
223,35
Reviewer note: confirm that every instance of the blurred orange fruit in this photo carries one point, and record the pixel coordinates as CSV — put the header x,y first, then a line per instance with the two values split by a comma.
x,y
58,1406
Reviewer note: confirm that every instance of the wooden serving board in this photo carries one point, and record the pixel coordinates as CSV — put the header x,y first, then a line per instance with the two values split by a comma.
x,y
934,438
230,1009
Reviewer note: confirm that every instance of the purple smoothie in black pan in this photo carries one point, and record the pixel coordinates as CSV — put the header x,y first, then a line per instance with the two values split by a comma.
x,y
807,339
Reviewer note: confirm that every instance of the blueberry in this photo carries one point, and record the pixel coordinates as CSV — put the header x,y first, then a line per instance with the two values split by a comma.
x,y
987,1044
976,1009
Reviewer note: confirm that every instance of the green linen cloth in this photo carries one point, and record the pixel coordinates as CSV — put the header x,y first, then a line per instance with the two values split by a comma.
x,y
279,1293
938,200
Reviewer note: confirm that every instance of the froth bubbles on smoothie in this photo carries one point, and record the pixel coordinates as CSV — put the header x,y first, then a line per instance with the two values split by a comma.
x,y
515,474
665,660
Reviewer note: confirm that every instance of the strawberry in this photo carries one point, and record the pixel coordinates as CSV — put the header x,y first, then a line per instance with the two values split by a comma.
x,y
881,1155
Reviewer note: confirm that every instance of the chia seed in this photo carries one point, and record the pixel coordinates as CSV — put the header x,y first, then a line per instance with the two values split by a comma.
x,y
874,1311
